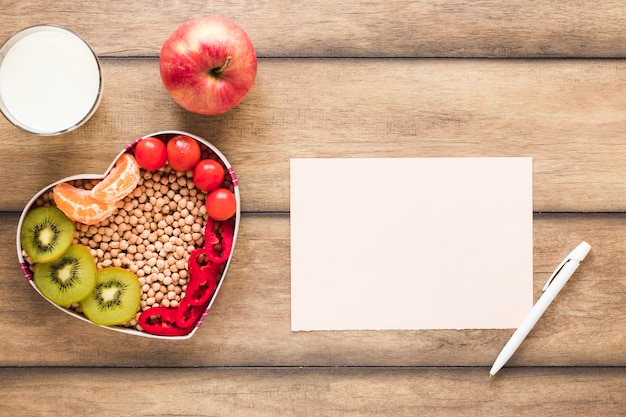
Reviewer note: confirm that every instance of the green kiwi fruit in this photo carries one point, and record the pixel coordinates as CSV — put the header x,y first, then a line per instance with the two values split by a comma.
x,y
46,233
115,299
68,279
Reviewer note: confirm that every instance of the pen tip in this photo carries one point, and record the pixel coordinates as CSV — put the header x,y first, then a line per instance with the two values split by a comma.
x,y
490,375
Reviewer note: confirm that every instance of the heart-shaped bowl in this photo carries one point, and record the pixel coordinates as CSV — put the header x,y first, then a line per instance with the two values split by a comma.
x,y
155,242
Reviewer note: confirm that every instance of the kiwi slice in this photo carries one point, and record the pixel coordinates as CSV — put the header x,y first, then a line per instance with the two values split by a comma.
x,y
68,279
115,299
46,233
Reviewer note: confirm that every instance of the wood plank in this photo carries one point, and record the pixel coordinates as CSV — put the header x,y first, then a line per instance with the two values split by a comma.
x,y
567,115
250,322
347,28
322,392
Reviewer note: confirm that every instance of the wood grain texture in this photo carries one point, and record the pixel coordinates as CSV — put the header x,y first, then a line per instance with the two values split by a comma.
x,y
568,115
344,78
249,324
320,392
348,28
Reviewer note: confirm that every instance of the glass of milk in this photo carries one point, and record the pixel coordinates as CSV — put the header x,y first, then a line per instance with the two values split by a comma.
x,y
50,80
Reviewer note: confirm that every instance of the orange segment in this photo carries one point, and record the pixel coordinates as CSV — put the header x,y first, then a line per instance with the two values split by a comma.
x,y
79,206
120,182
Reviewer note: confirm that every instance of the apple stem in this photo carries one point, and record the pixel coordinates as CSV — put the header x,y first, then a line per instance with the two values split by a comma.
x,y
218,71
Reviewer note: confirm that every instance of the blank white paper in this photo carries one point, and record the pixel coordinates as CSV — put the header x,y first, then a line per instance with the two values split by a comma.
x,y
410,243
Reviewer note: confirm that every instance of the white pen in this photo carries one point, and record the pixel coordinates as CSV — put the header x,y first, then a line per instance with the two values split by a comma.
x,y
557,280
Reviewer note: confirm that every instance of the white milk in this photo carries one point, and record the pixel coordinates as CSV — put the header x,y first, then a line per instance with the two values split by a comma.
x,y
49,80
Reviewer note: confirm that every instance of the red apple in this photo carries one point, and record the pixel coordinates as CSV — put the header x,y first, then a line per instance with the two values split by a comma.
x,y
208,65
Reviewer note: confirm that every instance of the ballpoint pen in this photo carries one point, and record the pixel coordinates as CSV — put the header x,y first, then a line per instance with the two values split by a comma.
x,y
557,280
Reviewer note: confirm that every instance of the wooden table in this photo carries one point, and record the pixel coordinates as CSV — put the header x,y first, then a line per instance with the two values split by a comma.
x,y
344,78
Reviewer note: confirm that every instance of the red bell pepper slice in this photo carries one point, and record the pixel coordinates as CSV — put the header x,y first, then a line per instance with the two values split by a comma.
x,y
202,279
199,291
161,321
187,314
224,240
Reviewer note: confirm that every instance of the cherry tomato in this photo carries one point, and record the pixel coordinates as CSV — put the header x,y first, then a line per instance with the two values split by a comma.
x,y
151,153
221,204
208,174
183,153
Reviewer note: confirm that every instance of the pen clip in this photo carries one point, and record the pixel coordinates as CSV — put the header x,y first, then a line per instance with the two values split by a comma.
x,y
556,272
578,254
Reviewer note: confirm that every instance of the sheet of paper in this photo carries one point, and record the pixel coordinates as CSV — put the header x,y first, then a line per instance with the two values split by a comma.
x,y
411,243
